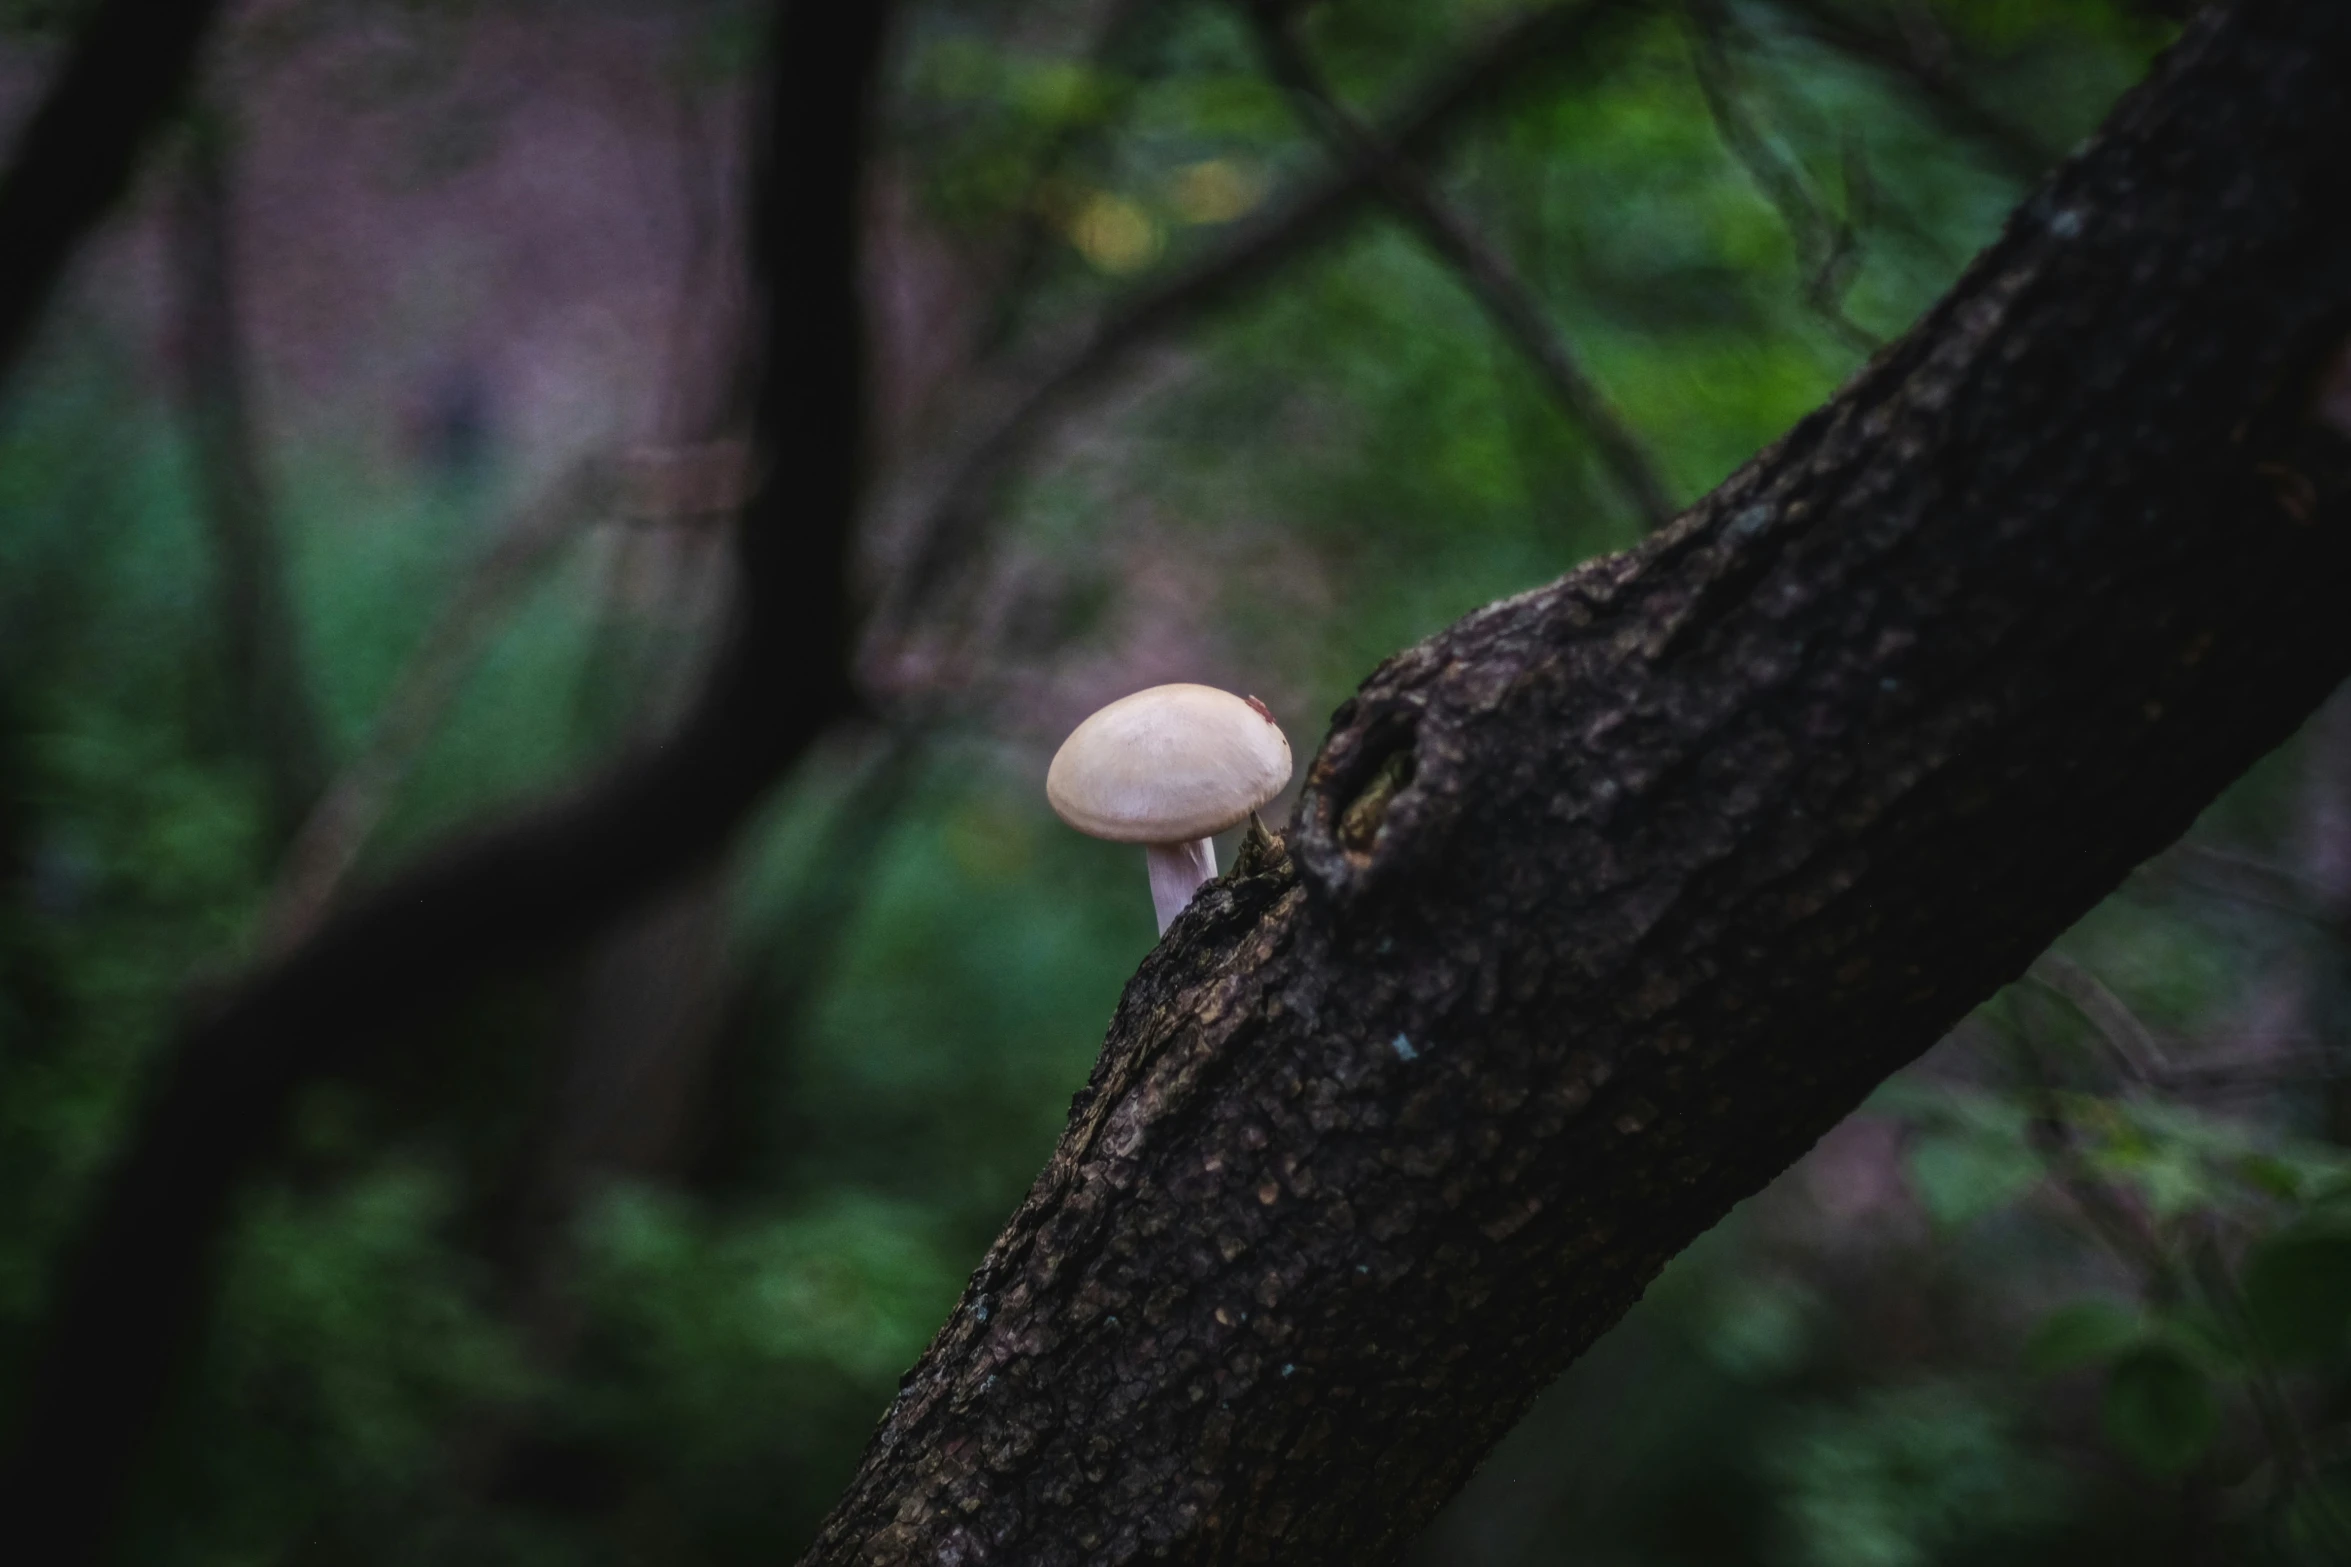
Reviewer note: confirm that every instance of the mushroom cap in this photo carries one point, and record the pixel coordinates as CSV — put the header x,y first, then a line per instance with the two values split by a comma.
x,y
1168,765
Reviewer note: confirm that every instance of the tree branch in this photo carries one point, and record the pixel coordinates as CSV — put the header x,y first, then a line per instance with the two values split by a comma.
x,y
1828,248
2013,150
2129,1041
1508,302
951,519
1033,236
132,1298
75,157
1602,905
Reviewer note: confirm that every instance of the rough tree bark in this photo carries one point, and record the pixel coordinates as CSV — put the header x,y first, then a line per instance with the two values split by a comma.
x,y
1601,906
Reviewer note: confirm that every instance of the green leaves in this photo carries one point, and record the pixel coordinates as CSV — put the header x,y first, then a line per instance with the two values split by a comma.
x,y
855,1284
1964,1175
1907,1477
2161,1410
2081,1333
2168,1372
2297,1288
1972,1154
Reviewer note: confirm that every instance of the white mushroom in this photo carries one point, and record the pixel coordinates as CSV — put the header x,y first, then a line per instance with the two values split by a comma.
x,y
1166,768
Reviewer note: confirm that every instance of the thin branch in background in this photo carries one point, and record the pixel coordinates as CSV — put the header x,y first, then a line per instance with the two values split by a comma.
x,y
257,624
951,519
1489,276
2303,1069
2129,1041
329,842
1828,244
2134,1237
2257,1063
2281,1425
129,65
2239,878
1034,234
132,1295
1934,75
2112,1219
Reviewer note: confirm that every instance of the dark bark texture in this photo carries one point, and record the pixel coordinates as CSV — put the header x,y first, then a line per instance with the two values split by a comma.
x,y
1601,906
131,1298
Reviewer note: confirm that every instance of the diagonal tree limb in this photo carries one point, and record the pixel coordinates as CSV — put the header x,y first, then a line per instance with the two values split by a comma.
x,y
1602,905
1488,275
130,1299
951,519
129,65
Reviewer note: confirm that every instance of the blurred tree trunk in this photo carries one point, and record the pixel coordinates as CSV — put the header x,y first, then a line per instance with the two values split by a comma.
x,y
260,641
130,1296
628,1082
1601,906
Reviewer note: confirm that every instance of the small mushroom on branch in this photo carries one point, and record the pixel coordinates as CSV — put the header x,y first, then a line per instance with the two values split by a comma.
x,y
1168,768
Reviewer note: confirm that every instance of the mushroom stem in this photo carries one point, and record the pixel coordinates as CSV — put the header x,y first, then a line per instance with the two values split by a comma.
x,y
1177,870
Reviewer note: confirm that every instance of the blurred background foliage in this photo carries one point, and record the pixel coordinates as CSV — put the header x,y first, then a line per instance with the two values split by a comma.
x,y
620,1261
